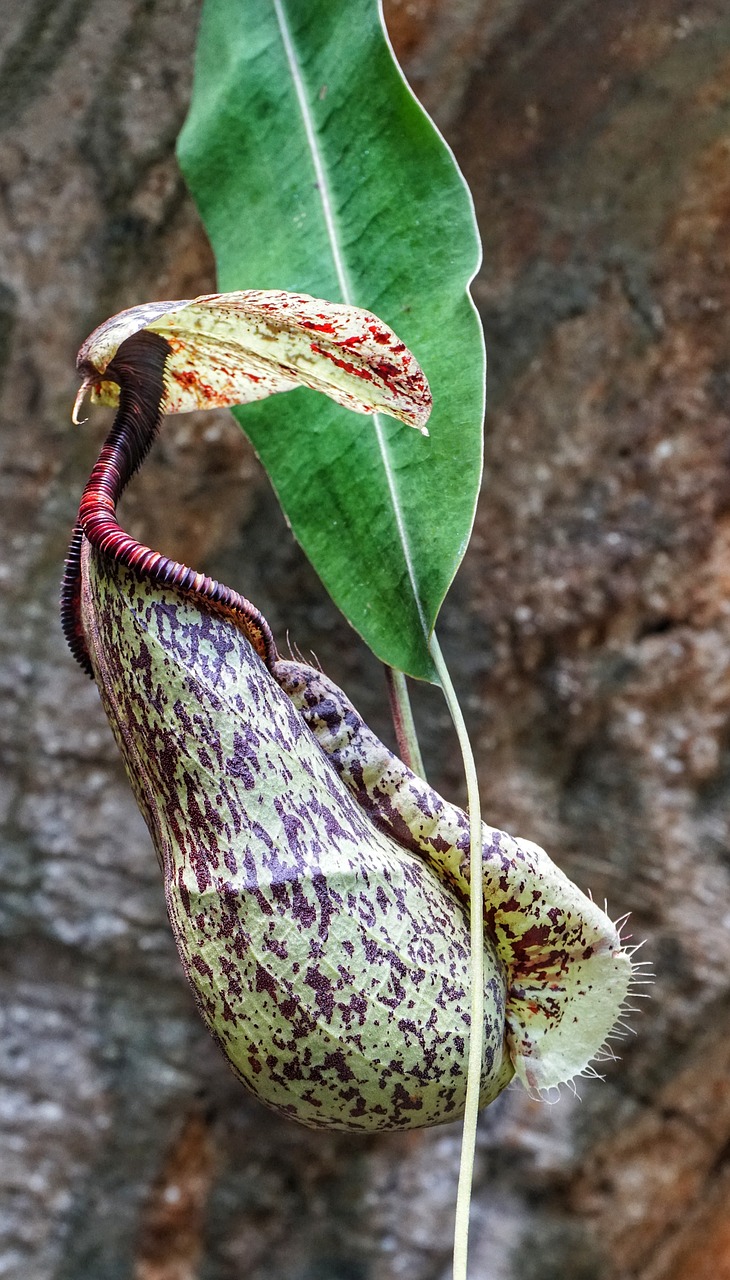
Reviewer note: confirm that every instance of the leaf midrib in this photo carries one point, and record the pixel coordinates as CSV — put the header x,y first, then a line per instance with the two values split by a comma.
x,y
323,187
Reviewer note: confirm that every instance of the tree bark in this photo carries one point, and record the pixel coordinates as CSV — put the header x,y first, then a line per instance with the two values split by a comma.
x,y
589,633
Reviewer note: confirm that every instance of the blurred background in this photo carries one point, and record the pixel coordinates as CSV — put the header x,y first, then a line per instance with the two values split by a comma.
x,y
588,634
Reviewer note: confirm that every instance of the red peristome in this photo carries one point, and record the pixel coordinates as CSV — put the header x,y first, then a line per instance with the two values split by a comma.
x,y
138,367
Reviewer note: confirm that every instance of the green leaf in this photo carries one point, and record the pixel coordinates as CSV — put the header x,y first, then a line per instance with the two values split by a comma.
x,y
315,170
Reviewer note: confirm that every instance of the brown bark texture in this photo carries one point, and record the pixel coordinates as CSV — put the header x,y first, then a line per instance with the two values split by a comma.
x,y
588,632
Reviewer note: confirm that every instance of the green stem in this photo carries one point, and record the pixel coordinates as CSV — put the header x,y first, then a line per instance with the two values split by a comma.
x,y
476,1038
403,722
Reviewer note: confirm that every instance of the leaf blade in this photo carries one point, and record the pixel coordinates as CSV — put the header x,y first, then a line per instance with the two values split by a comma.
x,y
347,185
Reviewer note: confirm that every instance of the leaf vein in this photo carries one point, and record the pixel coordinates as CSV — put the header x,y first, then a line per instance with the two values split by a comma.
x,y
345,285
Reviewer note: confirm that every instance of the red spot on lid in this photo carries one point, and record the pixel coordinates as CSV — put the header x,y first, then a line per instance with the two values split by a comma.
x,y
186,377
386,370
319,328
380,335
354,369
